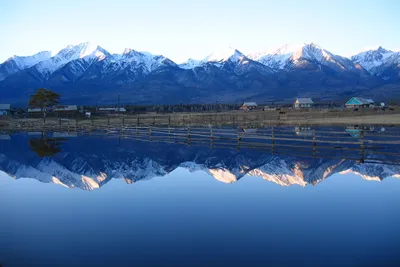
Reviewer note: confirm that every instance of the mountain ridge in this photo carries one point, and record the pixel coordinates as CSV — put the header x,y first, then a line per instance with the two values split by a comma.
x,y
87,73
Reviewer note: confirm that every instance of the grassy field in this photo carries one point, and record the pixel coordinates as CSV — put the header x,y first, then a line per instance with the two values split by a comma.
x,y
235,118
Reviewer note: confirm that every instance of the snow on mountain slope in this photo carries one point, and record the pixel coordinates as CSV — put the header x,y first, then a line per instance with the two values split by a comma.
x,y
135,63
190,64
275,59
218,58
87,51
230,60
149,61
17,63
372,172
371,60
221,56
291,56
23,62
278,171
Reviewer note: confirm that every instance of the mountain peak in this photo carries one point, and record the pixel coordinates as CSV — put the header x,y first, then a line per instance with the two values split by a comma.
x,y
88,48
375,49
27,61
86,51
127,50
224,55
82,50
372,58
190,63
15,63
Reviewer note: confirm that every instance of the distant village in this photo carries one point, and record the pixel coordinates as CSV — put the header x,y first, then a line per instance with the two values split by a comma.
x,y
354,103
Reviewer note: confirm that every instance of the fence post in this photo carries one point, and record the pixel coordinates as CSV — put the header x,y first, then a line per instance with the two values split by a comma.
x,y
211,137
362,147
188,135
273,140
239,138
150,133
314,144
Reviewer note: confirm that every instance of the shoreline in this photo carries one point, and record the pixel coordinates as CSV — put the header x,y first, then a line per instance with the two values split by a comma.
x,y
233,119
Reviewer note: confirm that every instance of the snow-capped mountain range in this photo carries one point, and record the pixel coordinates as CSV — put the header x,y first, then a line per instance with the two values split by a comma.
x,y
375,61
285,57
86,51
16,63
306,67
284,172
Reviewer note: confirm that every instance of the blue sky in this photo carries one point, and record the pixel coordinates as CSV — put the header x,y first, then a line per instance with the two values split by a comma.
x,y
180,29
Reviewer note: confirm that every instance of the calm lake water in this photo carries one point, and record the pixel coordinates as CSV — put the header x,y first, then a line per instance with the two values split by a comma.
x,y
103,201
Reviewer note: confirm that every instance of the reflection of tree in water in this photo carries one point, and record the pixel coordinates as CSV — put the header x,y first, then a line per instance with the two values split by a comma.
x,y
46,147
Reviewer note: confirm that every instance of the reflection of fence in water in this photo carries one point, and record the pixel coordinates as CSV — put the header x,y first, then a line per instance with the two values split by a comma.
x,y
361,144
371,147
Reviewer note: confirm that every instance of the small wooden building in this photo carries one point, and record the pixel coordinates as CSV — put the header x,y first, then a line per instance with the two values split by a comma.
x,y
34,110
360,102
249,106
112,110
66,108
5,109
302,103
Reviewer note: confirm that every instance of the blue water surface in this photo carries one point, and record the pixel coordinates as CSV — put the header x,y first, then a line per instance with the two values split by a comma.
x,y
190,219
183,216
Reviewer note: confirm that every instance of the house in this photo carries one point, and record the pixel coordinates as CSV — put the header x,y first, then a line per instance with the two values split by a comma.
x,y
301,103
111,110
268,108
34,110
360,102
5,109
248,106
66,108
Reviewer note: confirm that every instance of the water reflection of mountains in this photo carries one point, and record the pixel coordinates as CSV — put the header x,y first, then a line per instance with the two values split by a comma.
x,y
90,162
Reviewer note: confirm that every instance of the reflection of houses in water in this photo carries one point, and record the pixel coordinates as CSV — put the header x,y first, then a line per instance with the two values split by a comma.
x,y
5,109
5,137
65,134
303,131
250,130
355,131
35,133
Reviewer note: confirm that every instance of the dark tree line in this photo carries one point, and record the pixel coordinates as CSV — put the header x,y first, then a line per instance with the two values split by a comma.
x,y
174,108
